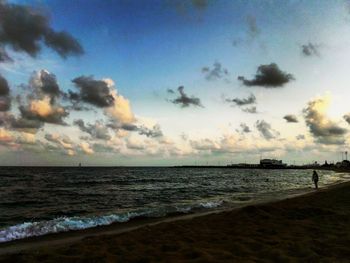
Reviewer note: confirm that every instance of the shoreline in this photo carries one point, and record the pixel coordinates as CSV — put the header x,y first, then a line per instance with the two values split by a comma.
x,y
64,239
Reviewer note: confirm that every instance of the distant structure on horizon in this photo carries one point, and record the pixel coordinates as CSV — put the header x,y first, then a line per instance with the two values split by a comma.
x,y
272,163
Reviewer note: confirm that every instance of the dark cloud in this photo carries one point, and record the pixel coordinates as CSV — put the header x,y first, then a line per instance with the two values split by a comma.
x,y
25,125
4,87
268,76
347,118
97,130
252,110
24,29
63,43
310,49
5,100
215,73
242,102
5,103
290,118
185,101
323,129
244,128
45,83
154,132
266,130
95,92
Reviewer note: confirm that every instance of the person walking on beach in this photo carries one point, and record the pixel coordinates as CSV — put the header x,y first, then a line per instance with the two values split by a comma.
x,y
315,179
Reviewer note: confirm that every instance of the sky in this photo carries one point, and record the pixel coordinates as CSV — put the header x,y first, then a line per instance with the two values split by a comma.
x,y
173,82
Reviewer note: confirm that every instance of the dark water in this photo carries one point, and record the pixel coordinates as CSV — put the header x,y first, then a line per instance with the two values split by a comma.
x,y
37,201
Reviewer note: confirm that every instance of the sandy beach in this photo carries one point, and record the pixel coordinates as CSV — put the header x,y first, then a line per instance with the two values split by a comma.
x,y
310,228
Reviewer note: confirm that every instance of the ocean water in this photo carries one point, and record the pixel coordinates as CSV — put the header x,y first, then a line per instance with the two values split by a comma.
x,y
37,201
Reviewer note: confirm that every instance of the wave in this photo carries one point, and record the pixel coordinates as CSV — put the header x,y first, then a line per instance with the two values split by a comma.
x,y
64,224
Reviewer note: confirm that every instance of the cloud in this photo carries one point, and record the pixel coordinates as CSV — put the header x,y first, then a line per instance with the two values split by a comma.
x,y
242,102
5,137
347,118
154,132
25,29
268,76
5,103
4,57
215,73
290,118
244,128
86,148
310,49
251,109
185,101
44,84
43,110
25,125
121,110
170,91
102,94
95,92
266,130
323,129
5,100
300,137
97,130
62,142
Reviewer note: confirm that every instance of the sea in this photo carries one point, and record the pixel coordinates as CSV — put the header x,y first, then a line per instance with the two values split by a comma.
x,y
36,201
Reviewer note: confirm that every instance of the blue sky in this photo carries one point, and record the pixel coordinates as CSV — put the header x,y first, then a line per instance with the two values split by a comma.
x,y
148,47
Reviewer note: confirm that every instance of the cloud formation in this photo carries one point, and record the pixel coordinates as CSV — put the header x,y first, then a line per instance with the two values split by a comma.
x,y
185,101
242,102
43,110
44,84
251,109
5,100
4,57
347,118
310,49
26,29
215,73
323,129
244,128
290,118
95,92
154,132
97,130
268,76
266,130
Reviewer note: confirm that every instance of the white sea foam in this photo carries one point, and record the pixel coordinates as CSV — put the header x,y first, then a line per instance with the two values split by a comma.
x,y
212,204
62,224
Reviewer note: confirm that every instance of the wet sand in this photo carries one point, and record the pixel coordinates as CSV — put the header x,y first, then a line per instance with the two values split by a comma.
x,y
310,228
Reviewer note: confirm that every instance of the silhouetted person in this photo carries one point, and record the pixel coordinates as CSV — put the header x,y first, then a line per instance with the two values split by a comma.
x,y
315,179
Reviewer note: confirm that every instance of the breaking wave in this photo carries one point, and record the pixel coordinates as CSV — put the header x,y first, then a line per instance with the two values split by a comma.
x,y
64,224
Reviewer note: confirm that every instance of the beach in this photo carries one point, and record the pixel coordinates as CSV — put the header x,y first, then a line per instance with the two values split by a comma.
x,y
311,228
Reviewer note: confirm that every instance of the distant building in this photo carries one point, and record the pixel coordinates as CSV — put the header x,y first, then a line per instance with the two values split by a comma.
x,y
272,163
344,163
